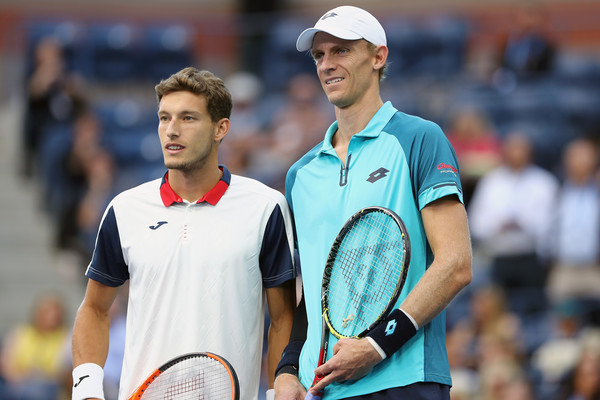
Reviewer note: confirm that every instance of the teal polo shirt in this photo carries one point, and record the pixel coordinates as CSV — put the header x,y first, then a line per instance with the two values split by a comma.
x,y
398,161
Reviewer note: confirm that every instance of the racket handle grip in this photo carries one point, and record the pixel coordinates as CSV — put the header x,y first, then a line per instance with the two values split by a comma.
x,y
310,396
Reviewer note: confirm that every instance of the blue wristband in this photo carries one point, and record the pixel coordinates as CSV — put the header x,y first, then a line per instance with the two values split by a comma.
x,y
290,359
391,333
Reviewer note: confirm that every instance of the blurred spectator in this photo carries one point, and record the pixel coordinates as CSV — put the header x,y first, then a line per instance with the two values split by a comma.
x,y
528,50
249,121
576,269
476,145
100,189
510,215
501,370
54,95
583,382
486,349
463,371
295,128
559,352
88,171
489,316
30,360
519,388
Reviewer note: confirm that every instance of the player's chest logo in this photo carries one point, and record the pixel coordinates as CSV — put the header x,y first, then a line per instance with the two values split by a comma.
x,y
377,175
158,225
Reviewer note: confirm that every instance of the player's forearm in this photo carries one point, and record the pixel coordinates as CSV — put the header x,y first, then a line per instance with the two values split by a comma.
x,y
90,336
281,301
436,289
278,337
446,226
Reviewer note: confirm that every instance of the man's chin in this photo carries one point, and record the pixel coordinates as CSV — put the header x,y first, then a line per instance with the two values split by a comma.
x,y
188,166
177,166
337,101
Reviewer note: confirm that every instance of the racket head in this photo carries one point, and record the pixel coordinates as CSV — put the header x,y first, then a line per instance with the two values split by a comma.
x,y
365,271
191,376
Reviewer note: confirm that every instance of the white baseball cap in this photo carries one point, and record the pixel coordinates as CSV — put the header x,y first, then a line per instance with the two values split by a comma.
x,y
345,22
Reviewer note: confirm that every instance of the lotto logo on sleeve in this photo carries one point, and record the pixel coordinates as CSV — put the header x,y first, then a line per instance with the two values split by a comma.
x,y
390,327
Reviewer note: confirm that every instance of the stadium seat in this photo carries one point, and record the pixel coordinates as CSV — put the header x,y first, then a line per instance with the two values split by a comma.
x,y
166,49
433,47
281,60
128,128
114,51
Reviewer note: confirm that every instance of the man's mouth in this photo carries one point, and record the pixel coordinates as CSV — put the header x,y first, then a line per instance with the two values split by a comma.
x,y
334,80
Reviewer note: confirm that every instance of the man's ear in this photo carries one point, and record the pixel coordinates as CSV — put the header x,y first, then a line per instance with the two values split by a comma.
x,y
222,129
381,54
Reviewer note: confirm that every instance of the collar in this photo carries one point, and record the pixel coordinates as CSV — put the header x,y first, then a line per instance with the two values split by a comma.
x,y
212,197
372,130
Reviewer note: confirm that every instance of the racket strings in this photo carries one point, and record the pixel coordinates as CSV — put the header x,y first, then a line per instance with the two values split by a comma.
x,y
355,256
365,273
193,378
179,388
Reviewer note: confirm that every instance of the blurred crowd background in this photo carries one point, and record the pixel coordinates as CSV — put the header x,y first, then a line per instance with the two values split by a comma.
x,y
515,85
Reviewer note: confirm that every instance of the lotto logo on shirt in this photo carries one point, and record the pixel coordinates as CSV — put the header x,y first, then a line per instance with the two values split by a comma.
x,y
445,168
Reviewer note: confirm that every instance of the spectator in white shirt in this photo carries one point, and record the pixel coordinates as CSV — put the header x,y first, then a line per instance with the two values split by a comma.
x,y
510,216
576,252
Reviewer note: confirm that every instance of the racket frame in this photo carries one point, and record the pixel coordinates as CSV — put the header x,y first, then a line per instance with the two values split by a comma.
x,y
326,325
235,385
333,254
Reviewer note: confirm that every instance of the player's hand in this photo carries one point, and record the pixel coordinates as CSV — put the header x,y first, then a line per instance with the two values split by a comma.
x,y
288,387
352,359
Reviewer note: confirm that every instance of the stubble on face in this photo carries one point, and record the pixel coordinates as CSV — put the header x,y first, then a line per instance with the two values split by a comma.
x,y
194,164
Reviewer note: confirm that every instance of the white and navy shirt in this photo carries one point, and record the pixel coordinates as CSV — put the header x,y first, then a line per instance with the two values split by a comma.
x,y
197,272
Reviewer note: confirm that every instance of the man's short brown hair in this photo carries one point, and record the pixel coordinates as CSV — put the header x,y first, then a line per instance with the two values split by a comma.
x,y
200,82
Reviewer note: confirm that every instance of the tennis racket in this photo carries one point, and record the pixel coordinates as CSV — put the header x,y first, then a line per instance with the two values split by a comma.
x,y
191,376
363,277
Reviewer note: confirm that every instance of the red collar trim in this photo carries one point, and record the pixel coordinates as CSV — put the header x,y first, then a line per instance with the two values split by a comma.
x,y
167,194
213,196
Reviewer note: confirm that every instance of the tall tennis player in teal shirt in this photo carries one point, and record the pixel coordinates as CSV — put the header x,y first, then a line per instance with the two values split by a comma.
x,y
375,155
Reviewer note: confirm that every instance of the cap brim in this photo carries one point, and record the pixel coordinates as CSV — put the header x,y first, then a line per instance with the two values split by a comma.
x,y
305,40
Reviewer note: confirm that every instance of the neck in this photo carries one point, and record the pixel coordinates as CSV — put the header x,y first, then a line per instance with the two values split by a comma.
x,y
354,119
193,185
580,180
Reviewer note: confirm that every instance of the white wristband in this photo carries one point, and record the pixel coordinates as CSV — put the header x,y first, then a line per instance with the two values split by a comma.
x,y
270,395
87,382
377,347
411,319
